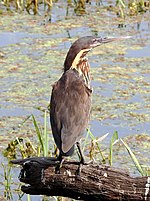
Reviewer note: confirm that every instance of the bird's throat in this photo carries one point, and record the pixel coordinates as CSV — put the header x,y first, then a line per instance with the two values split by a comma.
x,y
83,68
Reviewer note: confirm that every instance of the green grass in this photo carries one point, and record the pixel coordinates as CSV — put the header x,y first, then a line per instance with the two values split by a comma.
x,y
96,144
24,147
134,159
91,146
42,135
7,182
113,140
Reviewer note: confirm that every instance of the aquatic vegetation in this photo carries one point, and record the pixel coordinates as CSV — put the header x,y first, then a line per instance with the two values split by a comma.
x,y
95,148
24,148
7,182
131,7
81,7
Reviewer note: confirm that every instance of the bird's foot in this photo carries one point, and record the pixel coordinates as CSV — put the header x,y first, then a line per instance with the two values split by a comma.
x,y
57,168
78,171
81,163
89,162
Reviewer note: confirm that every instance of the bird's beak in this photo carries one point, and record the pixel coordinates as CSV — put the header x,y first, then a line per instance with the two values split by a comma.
x,y
111,39
99,41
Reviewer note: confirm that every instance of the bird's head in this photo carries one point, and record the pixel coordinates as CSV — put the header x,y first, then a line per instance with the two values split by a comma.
x,y
78,51
76,57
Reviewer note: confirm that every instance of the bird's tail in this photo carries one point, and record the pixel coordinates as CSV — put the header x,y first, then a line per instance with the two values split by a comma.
x,y
68,153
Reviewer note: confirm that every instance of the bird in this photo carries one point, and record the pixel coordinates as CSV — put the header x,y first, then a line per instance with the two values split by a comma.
x,y
70,102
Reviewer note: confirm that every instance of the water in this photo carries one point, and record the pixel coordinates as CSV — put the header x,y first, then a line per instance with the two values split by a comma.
x,y
32,51
104,89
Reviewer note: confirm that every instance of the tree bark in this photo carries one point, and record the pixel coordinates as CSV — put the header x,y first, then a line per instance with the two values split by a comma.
x,y
95,183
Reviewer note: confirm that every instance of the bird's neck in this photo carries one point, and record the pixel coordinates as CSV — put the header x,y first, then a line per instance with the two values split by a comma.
x,y
83,68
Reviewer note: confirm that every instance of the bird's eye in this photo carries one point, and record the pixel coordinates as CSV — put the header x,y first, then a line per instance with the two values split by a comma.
x,y
97,40
94,40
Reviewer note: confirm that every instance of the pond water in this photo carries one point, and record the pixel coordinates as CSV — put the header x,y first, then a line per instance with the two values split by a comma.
x,y
32,53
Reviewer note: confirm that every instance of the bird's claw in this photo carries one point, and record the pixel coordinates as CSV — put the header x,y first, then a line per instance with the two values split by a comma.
x,y
78,171
82,162
57,169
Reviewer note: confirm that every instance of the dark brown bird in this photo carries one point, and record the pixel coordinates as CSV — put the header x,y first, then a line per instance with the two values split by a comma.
x,y
70,103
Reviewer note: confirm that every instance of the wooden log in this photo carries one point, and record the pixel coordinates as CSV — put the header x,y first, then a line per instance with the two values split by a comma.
x,y
95,183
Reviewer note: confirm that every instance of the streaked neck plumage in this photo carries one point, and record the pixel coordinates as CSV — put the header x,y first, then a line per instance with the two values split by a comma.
x,y
80,63
83,68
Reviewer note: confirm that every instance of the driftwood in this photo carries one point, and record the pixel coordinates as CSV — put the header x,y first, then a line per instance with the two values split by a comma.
x,y
95,183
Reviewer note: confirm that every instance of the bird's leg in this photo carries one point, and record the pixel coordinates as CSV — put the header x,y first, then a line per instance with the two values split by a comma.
x,y
61,160
82,161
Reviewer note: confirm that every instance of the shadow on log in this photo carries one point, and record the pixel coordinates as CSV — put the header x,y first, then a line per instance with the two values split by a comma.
x,y
95,183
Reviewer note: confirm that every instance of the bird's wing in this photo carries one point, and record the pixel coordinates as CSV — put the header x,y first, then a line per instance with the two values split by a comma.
x,y
70,109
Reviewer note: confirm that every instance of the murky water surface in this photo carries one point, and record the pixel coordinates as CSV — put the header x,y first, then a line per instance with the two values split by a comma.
x,y
32,53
